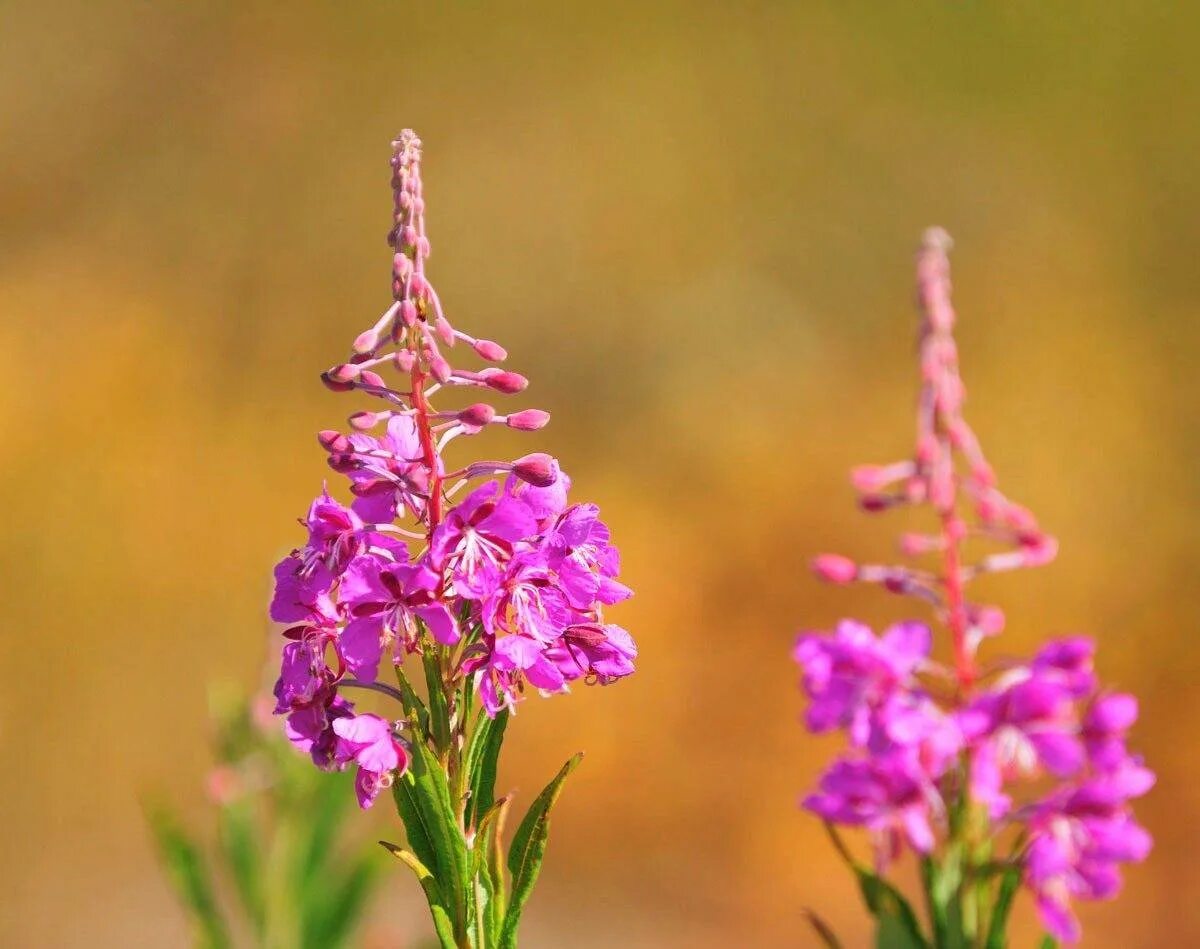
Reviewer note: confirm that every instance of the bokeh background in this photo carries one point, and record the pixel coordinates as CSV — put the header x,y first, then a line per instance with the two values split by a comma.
x,y
692,225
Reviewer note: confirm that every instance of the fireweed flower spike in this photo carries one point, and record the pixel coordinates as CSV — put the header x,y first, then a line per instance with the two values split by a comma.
x,y
995,776
481,578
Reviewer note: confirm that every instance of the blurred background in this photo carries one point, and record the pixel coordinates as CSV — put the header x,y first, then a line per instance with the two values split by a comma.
x,y
692,225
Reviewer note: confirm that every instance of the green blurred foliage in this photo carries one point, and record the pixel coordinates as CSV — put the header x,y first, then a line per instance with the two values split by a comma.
x,y
691,224
279,859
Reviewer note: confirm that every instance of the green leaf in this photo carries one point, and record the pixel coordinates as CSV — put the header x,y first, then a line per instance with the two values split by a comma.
x,y
483,753
437,907
828,939
239,841
439,711
187,871
997,936
528,850
323,814
413,706
898,927
423,799
941,883
1049,942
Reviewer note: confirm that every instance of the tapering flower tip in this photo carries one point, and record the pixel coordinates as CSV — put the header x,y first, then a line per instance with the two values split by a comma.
x,y
509,383
333,441
445,332
1040,552
538,469
833,568
873,503
937,239
478,414
366,342
528,420
361,421
869,478
493,352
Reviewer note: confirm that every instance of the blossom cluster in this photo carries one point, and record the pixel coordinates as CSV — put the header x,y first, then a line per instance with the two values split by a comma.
x,y
929,740
506,586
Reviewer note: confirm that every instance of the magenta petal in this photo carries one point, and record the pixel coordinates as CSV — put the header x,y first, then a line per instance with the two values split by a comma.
x,y
441,623
361,646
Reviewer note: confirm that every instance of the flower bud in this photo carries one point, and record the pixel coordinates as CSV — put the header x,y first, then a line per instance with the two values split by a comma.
x,y
444,330
334,385
372,379
507,382
439,368
833,568
989,620
361,421
401,267
333,441
478,414
1040,553
346,372
408,313
538,469
366,342
489,350
405,360
528,420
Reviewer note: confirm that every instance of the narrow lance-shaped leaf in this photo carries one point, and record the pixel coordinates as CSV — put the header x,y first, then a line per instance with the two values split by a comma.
x,y
997,935
437,907
528,850
423,799
483,753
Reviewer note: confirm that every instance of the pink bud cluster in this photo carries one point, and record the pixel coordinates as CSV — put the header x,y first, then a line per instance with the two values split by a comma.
x,y
949,473
505,587
929,741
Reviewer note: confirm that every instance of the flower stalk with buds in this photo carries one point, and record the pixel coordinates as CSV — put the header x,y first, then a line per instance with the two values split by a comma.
x,y
996,776
475,582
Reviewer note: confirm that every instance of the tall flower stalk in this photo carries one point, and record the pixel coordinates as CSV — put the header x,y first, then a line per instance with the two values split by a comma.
x,y
998,774
476,581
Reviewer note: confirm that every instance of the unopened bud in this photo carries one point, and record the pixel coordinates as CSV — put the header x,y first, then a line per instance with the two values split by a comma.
x,y
444,331
439,368
490,351
346,372
373,379
528,420
869,479
507,382
333,441
478,414
423,247
833,568
365,420
366,342
342,462
1040,553
401,267
335,385
408,313
538,469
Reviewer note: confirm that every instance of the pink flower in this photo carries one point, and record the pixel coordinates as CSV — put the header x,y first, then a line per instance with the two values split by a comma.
x,y
368,741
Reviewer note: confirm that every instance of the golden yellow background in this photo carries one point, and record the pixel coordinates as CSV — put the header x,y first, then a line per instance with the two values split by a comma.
x,y
692,225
